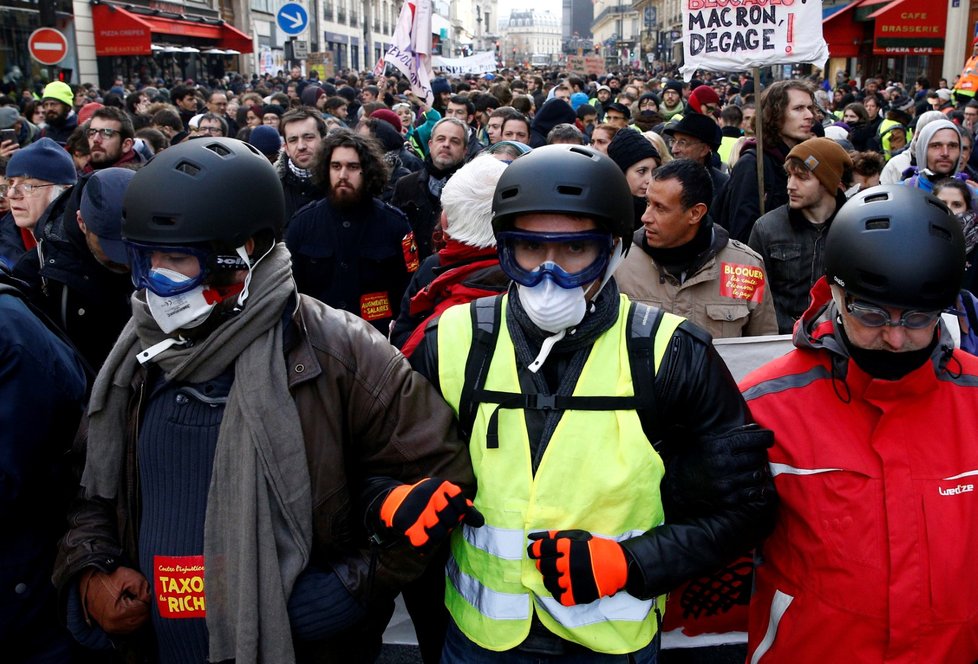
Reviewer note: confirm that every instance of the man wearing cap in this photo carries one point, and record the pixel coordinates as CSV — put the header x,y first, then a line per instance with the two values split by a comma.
x,y
791,238
672,100
35,187
704,99
82,283
60,118
874,456
698,137
600,100
617,115
685,264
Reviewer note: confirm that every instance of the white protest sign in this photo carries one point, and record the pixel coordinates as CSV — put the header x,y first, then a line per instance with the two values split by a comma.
x,y
479,63
735,35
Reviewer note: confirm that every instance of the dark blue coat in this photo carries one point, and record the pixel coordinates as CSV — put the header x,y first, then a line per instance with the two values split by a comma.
x,y
42,386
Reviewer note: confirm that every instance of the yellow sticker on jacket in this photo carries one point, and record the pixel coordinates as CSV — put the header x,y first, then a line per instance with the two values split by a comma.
x,y
742,282
178,582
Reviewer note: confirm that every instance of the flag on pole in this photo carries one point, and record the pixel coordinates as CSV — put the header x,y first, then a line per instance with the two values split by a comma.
x,y
410,50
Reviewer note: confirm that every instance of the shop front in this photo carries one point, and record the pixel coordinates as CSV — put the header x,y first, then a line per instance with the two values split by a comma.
x,y
150,44
892,39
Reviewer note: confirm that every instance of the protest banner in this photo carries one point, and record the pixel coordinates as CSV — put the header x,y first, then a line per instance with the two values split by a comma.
x,y
479,63
585,65
410,50
734,35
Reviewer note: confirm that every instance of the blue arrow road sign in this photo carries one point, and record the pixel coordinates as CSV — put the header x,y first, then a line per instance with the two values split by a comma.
x,y
292,18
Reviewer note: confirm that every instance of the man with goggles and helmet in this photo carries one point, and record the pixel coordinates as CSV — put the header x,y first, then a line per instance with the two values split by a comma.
x,y
243,439
875,457
614,455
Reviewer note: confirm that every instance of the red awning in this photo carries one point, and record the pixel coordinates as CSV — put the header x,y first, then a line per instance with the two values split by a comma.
x,y
842,36
122,32
909,27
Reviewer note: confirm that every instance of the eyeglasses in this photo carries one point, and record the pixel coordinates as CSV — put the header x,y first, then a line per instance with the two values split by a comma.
x,y
213,131
8,190
105,133
871,315
682,144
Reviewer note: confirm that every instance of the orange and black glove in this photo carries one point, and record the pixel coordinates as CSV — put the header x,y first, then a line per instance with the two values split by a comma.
x,y
427,512
117,601
577,567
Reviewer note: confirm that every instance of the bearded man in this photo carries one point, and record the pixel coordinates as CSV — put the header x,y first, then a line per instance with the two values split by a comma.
x,y
351,250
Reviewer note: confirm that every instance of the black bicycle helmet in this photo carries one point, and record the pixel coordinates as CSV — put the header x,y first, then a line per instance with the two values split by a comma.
x,y
217,190
568,179
898,246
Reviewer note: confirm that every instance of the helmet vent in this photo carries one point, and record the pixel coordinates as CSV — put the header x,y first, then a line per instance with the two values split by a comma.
x,y
569,190
940,232
880,224
188,168
509,193
875,198
218,149
164,221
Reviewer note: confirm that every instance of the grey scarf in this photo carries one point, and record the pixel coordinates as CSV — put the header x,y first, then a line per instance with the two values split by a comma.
x,y
258,525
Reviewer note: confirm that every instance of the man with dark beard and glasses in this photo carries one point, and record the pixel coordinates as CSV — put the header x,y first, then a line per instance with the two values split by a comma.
x,y
351,250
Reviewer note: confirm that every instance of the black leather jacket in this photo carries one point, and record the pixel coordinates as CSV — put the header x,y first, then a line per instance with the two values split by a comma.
x,y
697,401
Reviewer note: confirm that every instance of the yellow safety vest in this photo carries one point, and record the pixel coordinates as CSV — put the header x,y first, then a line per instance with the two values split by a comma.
x,y
726,146
599,473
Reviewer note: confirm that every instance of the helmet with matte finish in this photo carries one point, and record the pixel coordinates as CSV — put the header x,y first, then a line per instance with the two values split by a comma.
x,y
217,190
898,246
565,179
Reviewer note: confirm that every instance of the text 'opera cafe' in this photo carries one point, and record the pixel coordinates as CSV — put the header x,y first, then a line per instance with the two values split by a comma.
x,y
149,41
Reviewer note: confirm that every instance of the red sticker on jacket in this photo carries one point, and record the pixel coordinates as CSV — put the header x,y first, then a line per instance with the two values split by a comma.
x,y
410,249
178,582
374,306
742,282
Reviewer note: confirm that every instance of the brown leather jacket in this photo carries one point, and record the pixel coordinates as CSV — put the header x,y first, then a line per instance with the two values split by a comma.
x,y
367,418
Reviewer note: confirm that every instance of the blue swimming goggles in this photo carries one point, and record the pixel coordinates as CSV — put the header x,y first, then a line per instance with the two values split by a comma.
x,y
549,252
186,260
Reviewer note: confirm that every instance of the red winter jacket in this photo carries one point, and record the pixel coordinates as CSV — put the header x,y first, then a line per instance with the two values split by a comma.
x,y
873,556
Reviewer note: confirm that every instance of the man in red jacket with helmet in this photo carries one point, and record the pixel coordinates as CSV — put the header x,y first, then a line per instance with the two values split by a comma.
x,y
874,458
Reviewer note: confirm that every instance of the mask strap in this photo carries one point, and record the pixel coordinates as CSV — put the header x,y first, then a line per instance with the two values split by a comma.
x,y
154,350
545,349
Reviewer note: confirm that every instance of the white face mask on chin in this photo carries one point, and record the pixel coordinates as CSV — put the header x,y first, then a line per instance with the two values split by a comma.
x,y
176,312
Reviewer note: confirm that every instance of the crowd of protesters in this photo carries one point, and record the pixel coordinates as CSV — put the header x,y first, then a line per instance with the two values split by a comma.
x,y
388,215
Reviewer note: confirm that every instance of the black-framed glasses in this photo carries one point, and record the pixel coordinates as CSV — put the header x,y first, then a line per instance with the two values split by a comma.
x,y
104,132
213,131
872,315
25,188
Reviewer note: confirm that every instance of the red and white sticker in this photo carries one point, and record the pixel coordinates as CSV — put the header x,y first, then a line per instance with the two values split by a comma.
x,y
742,282
178,582
375,306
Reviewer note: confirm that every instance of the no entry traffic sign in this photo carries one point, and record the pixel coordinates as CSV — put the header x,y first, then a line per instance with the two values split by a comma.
x,y
48,46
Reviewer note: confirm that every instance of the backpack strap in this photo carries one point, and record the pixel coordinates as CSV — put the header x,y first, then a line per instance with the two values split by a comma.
x,y
642,326
486,313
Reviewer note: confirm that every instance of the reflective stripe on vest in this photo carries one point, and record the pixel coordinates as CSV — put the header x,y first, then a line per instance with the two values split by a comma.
x,y
599,473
